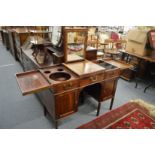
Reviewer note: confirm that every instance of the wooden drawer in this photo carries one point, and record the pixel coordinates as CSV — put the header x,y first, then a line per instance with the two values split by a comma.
x,y
91,79
112,73
65,86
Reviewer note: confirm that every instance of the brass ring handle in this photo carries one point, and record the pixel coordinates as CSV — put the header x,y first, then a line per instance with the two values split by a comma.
x,y
93,78
112,73
67,85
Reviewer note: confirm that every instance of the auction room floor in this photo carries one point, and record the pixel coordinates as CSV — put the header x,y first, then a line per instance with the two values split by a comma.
x,y
26,112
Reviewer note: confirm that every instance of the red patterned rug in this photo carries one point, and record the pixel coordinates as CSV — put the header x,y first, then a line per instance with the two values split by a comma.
x,y
133,115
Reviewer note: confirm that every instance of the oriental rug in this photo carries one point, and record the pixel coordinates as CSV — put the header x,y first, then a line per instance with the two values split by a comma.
x,y
135,114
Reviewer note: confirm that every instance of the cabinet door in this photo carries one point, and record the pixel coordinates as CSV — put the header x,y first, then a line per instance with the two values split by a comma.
x,y
108,89
66,104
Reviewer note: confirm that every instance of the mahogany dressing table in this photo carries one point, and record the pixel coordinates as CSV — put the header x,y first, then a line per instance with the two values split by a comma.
x,y
59,86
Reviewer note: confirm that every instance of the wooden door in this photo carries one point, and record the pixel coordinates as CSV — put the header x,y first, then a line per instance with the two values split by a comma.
x,y
108,89
66,103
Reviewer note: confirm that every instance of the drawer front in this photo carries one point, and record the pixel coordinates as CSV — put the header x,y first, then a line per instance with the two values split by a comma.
x,y
111,74
91,79
65,86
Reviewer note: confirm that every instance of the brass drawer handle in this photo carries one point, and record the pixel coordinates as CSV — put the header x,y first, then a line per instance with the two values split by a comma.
x,y
67,85
93,78
112,73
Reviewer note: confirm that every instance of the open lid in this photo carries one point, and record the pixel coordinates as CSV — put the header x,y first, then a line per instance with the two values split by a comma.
x,y
84,68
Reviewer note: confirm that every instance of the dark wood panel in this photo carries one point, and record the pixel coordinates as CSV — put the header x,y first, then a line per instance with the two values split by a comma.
x,y
108,89
66,104
91,54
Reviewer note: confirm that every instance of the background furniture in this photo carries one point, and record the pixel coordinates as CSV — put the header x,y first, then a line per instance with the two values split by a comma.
x,y
151,69
91,53
21,34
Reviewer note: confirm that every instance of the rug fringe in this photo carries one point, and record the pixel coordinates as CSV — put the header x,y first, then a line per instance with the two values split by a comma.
x,y
148,106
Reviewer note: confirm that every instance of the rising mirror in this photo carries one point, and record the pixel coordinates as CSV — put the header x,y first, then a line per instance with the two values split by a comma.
x,y
75,44
56,36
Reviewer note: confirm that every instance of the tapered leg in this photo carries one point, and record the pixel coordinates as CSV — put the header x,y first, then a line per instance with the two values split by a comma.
x,y
56,124
45,111
111,104
147,87
98,109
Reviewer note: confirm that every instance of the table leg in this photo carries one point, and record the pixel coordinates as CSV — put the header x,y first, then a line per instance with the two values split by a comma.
x,y
98,108
111,104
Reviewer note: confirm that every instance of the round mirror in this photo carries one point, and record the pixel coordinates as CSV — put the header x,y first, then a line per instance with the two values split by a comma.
x,y
56,36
